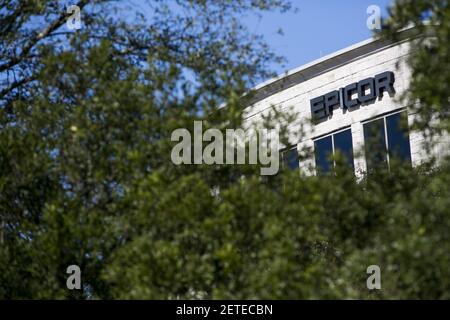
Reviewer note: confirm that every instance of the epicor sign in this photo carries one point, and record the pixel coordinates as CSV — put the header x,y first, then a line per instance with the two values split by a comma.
x,y
367,91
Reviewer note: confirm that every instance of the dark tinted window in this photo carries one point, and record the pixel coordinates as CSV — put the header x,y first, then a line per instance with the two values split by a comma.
x,y
375,145
398,138
323,149
343,144
290,159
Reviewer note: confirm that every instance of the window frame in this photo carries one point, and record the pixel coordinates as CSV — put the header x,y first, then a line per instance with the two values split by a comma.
x,y
386,137
332,133
285,151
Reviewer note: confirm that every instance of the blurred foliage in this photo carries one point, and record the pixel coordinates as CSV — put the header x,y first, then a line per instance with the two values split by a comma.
x,y
428,93
86,176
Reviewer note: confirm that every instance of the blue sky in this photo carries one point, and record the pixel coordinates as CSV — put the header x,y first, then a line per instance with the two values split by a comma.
x,y
320,27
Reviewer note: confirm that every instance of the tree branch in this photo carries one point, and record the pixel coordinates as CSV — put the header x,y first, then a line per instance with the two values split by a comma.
x,y
16,84
41,35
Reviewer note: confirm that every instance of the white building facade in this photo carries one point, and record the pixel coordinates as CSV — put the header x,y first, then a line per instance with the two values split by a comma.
x,y
349,95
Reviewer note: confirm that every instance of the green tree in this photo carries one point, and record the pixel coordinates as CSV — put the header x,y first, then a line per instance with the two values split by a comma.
x,y
86,176
428,93
86,118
